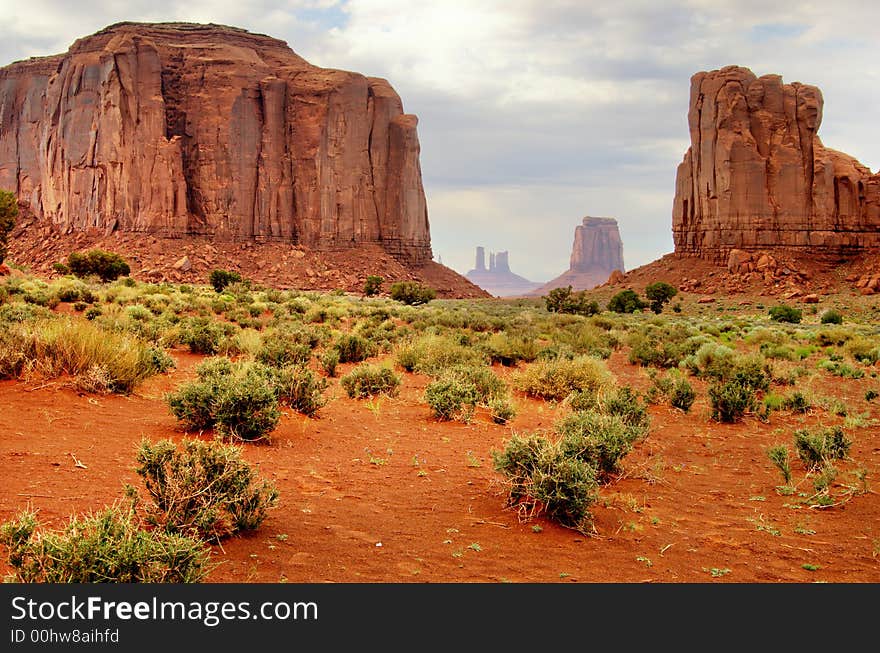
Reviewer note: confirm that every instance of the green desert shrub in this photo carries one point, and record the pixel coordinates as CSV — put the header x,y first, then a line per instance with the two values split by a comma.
x,y
598,439
8,216
710,360
541,479
682,395
501,409
412,293
109,546
279,348
18,312
863,349
244,341
353,348
730,400
373,285
202,489
721,364
583,400
330,361
71,290
833,336
107,266
831,316
659,293
509,350
778,352
589,339
316,315
299,388
838,368
762,335
626,301
485,382
661,386
779,456
563,300
623,402
238,400
817,447
772,401
369,380
203,335
431,354
460,389
797,402
660,349
219,279
451,398
138,313
785,313
750,370
557,379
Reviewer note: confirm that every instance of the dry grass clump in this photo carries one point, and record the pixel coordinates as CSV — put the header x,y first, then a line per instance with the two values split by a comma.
x,y
557,379
79,348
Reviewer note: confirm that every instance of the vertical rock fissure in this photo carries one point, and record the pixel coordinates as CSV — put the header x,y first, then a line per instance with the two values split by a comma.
x,y
258,158
371,118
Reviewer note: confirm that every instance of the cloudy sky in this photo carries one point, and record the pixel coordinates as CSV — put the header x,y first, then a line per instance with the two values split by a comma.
x,y
535,113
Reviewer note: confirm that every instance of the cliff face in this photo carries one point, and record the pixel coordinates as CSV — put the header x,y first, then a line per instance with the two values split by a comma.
x,y
758,177
597,251
179,129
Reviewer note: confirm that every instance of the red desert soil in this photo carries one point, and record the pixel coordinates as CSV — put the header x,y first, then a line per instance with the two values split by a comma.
x,y
389,495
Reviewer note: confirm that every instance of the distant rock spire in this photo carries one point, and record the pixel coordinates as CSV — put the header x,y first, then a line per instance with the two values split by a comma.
x,y
480,263
498,279
501,264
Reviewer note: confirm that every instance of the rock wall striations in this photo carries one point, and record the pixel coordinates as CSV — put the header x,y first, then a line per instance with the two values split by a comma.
x,y
757,177
177,129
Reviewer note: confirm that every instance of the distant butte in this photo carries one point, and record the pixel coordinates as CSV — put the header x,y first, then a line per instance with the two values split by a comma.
x,y
597,251
497,279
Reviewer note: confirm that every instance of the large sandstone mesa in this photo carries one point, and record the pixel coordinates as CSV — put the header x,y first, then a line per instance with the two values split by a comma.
x,y
597,251
757,177
178,129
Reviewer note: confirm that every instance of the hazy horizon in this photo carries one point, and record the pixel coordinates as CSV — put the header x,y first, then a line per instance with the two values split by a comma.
x,y
533,115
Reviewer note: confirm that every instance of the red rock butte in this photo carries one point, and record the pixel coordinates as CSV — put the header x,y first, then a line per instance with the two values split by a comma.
x,y
597,252
181,129
757,177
